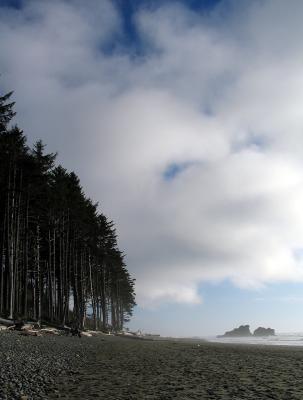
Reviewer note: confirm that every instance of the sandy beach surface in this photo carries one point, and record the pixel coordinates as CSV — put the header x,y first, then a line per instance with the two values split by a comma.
x,y
119,368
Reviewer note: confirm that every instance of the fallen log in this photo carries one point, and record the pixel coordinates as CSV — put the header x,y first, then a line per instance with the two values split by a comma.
x,y
6,322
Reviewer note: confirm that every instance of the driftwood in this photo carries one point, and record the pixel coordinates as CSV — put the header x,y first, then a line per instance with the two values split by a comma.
x,y
6,322
12,325
32,329
3,328
68,330
49,331
30,333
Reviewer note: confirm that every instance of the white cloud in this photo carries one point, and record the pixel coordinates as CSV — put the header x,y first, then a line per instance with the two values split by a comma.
x,y
221,96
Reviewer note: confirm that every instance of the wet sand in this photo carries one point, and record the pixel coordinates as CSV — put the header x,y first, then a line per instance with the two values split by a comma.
x,y
118,368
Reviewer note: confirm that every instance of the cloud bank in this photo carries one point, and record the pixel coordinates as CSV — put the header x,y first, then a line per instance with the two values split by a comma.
x,y
193,145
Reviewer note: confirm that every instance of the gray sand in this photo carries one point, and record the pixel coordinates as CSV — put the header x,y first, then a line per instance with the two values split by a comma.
x,y
29,366
117,368
128,369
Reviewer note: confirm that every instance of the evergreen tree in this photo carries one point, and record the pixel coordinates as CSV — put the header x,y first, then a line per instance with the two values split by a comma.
x,y
6,111
59,256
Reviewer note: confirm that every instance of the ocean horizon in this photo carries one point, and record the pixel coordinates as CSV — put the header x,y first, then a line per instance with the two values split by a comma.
x,y
280,339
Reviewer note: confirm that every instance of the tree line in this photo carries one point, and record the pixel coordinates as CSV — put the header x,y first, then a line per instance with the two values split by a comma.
x,y
60,262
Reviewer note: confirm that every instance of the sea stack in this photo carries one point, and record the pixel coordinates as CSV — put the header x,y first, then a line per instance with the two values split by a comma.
x,y
242,331
264,331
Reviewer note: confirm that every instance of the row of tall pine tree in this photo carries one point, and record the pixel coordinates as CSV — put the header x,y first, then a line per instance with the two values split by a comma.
x,y
59,259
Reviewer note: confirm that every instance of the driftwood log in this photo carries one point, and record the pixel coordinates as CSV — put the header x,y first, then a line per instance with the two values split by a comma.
x,y
19,325
6,322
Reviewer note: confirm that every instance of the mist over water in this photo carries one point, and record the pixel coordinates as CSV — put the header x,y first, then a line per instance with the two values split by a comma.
x,y
281,339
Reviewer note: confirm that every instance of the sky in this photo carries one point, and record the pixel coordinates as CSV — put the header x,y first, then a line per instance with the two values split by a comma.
x,y
184,120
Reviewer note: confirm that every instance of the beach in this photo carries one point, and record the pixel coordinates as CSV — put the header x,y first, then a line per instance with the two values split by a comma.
x,y
30,365
109,367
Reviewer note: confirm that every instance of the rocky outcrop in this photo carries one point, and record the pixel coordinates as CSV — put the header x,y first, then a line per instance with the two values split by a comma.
x,y
264,332
242,331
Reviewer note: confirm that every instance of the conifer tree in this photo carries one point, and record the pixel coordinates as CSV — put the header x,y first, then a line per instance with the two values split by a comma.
x,y
59,261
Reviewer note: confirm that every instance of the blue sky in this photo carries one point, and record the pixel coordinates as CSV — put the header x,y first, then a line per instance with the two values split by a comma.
x,y
225,307
129,7
183,119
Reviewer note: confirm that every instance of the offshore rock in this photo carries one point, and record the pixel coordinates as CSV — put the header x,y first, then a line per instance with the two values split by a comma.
x,y
242,331
264,332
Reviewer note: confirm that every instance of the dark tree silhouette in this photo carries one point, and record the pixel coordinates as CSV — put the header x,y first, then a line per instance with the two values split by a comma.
x,y
60,261
6,111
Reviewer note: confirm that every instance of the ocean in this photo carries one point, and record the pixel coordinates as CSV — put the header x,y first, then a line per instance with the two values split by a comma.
x,y
281,339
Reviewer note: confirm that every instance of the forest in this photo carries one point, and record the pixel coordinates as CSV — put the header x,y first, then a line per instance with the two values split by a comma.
x,y
60,262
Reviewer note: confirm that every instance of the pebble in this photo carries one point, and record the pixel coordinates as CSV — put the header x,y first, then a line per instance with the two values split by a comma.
x,y
30,365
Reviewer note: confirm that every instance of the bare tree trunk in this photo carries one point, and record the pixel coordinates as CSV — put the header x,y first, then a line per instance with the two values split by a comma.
x,y
50,281
17,248
55,292
3,264
11,245
103,298
26,259
39,285
92,292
